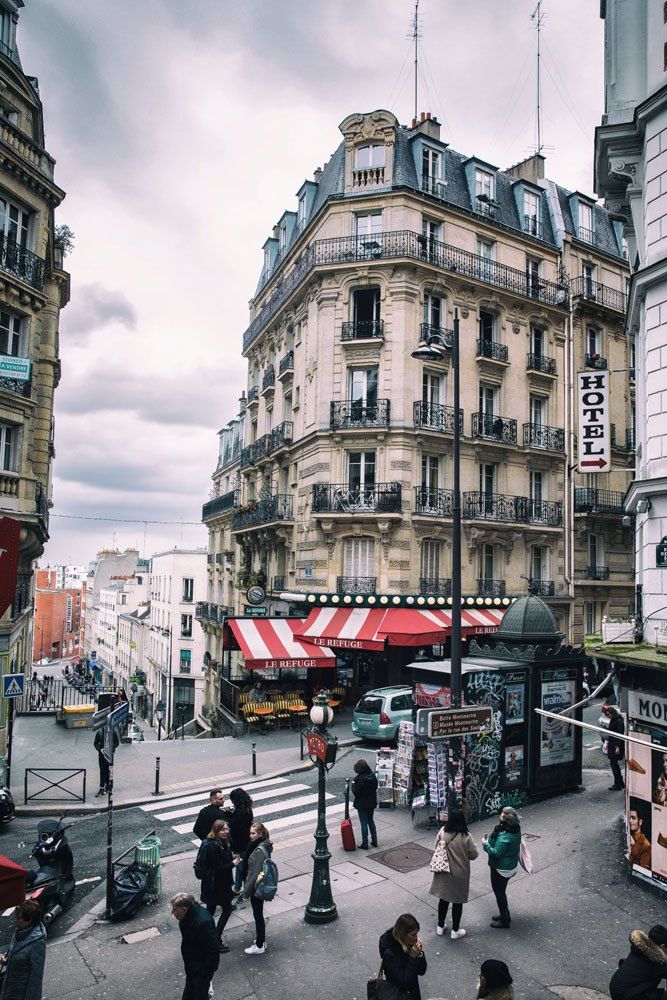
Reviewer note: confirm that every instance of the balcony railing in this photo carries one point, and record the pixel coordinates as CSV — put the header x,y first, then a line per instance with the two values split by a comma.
x,y
484,207
492,427
587,235
538,363
286,364
435,585
492,349
435,417
539,436
21,263
253,394
280,436
365,329
267,444
433,185
261,447
10,53
511,509
383,498
437,503
595,361
269,379
490,588
591,501
219,505
428,331
595,291
532,225
264,511
356,584
542,588
206,612
367,177
597,572
402,243
355,413
247,456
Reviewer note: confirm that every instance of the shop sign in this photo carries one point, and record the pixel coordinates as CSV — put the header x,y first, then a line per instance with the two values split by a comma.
x,y
255,594
321,748
593,442
661,554
253,612
442,724
16,368
650,709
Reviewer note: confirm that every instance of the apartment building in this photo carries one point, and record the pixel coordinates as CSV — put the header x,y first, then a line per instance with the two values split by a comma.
x,y
130,667
344,495
57,626
33,290
121,596
109,564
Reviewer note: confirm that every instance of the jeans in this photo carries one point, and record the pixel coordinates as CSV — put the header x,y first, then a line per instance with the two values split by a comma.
x,y
196,987
457,911
238,876
367,823
616,771
104,772
226,913
499,886
258,914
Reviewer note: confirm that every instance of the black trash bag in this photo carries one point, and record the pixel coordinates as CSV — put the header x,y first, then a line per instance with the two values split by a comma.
x,y
127,894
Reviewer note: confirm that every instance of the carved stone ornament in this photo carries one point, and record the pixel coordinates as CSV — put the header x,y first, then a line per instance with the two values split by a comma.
x,y
377,125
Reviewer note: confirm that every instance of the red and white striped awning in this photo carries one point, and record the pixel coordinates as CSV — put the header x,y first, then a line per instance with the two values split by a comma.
x,y
375,628
270,643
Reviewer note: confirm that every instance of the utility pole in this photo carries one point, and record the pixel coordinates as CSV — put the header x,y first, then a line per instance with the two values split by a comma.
x,y
457,744
415,35
538,16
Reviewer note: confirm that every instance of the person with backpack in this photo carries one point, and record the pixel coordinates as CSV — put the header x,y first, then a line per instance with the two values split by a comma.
x,y
503,848
452,885
364,789
214,866
259,867
240,821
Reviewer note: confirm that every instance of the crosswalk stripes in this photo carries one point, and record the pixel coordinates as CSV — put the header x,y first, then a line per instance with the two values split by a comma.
x,y
279,803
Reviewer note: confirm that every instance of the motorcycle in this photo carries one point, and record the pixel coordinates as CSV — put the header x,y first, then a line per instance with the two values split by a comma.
x,y
7,807
52,885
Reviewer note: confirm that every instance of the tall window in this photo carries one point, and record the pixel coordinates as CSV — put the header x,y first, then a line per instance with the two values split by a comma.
x,y
361,470
301,212
488,400
363,388
484,184
365,310
539,555
431,169
431,383
589,274
368,224
188,589
430,473
487,563
369,156
537,486
431,235
591,618
15,223
433,310
10,334
486,250
283,238
8,447
531,212
487,322
537,411
359,557
595,551
585,222
533,267
537,341
287,406
430,560
487,487
593,341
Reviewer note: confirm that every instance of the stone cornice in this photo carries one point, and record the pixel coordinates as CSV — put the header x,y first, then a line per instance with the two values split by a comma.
x,y
641,280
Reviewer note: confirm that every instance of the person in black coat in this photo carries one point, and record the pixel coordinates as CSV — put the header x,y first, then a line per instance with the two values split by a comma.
x,y
638,977
364,789
208,815
199,945
98,743
216,882
240,821
402,956
615,748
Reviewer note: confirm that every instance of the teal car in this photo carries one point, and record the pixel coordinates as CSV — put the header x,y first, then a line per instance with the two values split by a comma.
x,y
378,713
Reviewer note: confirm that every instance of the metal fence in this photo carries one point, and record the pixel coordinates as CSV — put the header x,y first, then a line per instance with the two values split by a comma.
x,y
42,774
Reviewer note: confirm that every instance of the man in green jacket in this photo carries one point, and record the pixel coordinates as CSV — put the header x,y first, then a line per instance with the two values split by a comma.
x,y
503,847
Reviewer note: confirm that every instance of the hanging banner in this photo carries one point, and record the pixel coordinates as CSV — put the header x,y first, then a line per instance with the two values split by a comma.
x,y
593,437
10,531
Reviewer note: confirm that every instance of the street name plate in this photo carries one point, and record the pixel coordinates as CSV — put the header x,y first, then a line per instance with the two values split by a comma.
x,y
118,716
446,723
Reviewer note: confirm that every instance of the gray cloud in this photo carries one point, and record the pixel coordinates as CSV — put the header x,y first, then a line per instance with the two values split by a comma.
x,y
92,307
128,476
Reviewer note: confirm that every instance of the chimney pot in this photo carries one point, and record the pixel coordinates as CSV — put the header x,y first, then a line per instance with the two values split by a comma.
x,y
422,117
428,116
414,122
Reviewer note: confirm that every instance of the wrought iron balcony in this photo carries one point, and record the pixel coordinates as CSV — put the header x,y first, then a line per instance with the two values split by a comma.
x,y
433,185
511,509
261,447
201,611
490,588
436,503
21,263
253,394
356,584
401,244
595,361
10,53
492,349
264,511
542,588
355,413
269,380
215,613
532,225
435,585
485,207
591,501
277,584
247,456
382,498
286,364
220,505
492,427
364,329
538,363
280,436
602,295
428,332
587,235
435,417
539,436
19,386
597,572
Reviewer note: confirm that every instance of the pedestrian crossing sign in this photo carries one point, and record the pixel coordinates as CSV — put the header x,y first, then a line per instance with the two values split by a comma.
x,y
13,685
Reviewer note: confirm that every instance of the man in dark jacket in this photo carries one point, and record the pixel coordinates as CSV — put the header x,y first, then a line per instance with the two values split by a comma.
x,y
616,748
199,945
364,789
638,977
208,815
98,743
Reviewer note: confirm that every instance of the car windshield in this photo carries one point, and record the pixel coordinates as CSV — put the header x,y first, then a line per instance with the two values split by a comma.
x,y
370,704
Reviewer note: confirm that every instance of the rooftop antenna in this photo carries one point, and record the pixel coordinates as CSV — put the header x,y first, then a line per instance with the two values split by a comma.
x,y
537,16
416,36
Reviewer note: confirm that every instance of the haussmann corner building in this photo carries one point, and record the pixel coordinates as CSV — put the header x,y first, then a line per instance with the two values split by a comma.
x,y
334,482
33,289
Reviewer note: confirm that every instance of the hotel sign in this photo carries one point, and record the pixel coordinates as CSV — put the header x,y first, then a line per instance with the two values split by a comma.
x,y
593,437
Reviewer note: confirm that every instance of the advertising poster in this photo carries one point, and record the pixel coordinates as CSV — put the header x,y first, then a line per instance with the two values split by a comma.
x,y
432,696
513,765
556,735
514,703
646,779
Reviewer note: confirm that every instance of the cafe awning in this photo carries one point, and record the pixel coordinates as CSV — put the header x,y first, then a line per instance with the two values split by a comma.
x,y
270,644
375,628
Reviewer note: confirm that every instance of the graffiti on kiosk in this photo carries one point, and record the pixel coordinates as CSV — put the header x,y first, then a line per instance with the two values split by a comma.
x,y
483,752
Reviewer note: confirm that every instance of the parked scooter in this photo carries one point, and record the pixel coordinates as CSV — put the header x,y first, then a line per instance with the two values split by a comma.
x,y
7,807
52,885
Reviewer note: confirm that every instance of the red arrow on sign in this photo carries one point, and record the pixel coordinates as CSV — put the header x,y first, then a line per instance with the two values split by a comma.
x,y
600,462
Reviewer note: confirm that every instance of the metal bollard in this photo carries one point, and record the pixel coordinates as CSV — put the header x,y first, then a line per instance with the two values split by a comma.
x,y
254,758
157,777
301,741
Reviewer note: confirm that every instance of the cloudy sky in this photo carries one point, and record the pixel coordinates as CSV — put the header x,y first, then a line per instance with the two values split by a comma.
x,y
182,130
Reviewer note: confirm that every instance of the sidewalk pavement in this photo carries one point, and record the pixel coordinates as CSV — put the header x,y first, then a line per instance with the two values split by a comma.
x,y
570,919
189,764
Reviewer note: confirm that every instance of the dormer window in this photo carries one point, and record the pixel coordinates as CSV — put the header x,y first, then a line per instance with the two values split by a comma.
x,y
484,187
267,262
431,171
5,32
531,213
369,156
283,238
301,213
585,228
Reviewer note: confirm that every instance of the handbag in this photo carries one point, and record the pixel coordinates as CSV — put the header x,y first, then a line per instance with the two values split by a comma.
x,y
605,748
439,862
379,989
525,859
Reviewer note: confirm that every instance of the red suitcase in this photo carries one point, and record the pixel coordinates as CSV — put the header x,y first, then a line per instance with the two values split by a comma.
x,y
346,831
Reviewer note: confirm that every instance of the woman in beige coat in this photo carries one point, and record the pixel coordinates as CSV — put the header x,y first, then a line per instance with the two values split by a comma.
x,y
453,886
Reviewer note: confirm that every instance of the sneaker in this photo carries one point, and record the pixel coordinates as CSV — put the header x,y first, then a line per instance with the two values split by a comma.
x,y
210,990
455,935
101,792
254,949
440,930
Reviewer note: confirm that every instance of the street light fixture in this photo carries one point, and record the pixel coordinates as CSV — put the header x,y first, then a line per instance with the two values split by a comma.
x,y
322,749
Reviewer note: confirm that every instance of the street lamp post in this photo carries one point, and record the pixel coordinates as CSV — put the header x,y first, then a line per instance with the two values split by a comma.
x,y
322,749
